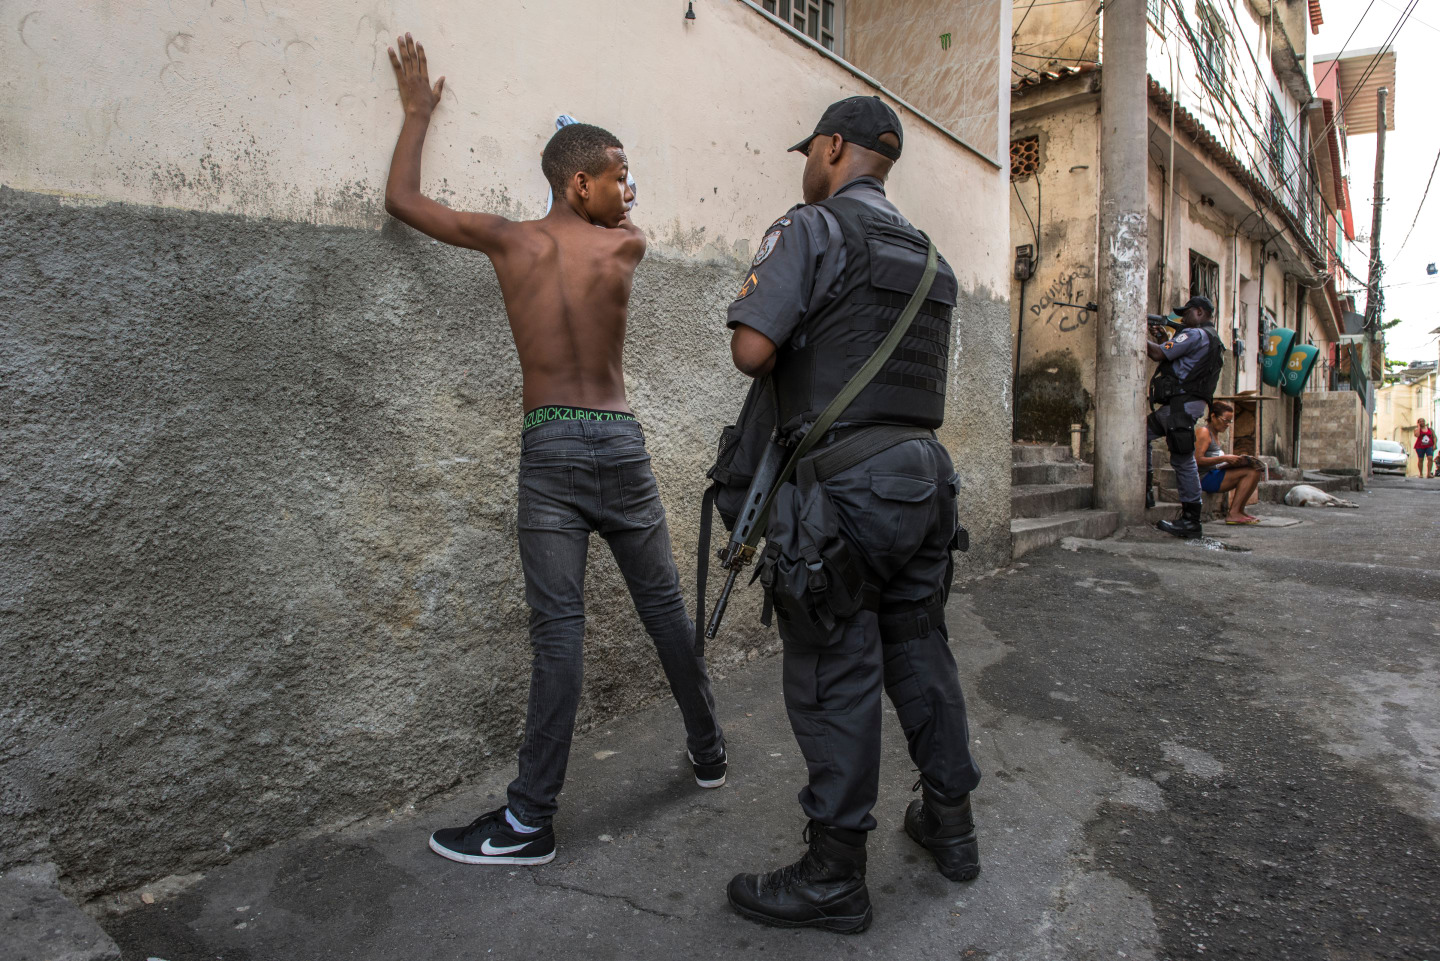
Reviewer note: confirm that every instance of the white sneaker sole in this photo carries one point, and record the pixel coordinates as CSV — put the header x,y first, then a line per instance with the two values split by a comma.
x,y
445,852
708,785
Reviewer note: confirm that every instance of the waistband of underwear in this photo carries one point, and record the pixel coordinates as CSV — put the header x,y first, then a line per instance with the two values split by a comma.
x,y
551,412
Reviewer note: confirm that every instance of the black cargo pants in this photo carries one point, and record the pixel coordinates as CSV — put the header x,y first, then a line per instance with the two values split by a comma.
x,y
899,510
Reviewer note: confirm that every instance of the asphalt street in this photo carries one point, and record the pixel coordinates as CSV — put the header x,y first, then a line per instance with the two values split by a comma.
x,y
1217,749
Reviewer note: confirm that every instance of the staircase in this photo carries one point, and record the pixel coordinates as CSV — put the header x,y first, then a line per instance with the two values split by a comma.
x,y
1050,497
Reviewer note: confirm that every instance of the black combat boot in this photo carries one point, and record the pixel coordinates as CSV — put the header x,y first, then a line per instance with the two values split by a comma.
x,y
824,889
947,831
1149,488
1187,525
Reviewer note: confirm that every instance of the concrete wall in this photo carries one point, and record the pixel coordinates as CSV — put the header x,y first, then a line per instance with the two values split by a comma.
x,y
1056,347
898,42
1332,431
259,551
1050,36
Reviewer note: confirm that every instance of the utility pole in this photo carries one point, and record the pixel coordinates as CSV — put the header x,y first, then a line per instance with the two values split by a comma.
x,y
1374,299
1124,245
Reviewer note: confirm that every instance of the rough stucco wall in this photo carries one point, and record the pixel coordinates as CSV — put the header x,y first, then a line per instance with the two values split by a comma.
x,y
898,43
1056,358
1055,35
259,528
258,503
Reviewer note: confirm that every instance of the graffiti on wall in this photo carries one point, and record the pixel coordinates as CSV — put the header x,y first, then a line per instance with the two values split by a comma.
x,y
1054,305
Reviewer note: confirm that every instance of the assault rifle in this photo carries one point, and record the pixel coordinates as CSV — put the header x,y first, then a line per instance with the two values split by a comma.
x,y
749,527
1163,321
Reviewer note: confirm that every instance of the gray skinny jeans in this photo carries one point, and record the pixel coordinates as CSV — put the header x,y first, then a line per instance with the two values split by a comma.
x,y
579,477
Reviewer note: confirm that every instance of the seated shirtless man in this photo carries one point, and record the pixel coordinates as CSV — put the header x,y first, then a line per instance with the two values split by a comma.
x,y
1239,474
583,465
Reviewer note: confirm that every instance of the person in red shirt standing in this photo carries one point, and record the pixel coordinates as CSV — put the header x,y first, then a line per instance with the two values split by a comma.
x,y
1425,448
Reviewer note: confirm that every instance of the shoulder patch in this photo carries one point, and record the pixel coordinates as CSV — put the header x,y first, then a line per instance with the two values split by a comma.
x,y
1181,338
767,246
747,288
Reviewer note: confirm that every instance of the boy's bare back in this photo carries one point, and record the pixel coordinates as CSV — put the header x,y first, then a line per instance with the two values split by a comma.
x,y
566,278
567,293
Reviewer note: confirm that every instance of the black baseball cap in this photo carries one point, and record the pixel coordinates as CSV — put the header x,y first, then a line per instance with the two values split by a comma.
x,y
1197,301
861,121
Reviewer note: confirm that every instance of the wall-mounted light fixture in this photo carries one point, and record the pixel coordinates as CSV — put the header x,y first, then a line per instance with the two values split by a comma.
x,y
690,11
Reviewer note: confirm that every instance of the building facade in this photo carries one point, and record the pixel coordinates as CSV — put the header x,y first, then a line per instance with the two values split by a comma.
x,y
1407,396
1248,203
259,502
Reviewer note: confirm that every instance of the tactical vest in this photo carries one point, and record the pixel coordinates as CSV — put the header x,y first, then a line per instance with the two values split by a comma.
x,y
1202,379
884,259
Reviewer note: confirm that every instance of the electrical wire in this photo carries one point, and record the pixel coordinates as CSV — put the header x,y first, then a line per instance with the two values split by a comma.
x,y
1016,32
1344,46
1392,7
1239,112
1034,232
1422,205
1036,56
1375,60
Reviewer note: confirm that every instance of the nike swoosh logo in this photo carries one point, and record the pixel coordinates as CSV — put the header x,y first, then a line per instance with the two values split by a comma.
x,y
489,849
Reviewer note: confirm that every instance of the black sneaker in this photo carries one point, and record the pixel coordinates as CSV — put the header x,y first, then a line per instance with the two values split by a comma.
x,y
710,774
489,839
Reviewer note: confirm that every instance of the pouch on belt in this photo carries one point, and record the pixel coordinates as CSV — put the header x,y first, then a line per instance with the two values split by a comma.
x,y
811,576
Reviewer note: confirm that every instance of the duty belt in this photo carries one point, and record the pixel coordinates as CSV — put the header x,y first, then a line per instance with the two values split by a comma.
x,y
843,449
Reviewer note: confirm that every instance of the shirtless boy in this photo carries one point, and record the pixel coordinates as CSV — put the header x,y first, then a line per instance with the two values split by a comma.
x,y
583,465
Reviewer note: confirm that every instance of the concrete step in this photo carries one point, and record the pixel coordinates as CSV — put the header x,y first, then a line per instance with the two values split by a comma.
x,y
1269,492
1165,474
1039,454
1032,533
1042,500
1073,472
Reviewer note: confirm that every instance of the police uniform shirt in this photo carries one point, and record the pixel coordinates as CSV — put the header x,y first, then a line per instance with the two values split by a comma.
x,y
798,267
1187,349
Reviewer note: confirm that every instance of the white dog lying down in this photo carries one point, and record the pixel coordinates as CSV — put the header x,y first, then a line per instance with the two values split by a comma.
x,y
1303,495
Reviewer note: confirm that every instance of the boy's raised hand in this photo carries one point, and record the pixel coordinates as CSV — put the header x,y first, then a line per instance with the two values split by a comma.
x,y
412,76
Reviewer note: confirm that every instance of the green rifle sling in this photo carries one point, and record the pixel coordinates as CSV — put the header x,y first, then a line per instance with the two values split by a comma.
x,y
851,390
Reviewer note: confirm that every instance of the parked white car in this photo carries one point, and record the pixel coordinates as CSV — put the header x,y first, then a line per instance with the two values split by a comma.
x,y
1387,454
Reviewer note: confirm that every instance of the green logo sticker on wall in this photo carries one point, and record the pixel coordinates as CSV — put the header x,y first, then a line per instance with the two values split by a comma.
x,y
944,41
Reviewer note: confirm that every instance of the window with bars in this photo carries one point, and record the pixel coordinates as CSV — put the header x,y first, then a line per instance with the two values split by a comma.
x,y
1155,10
820,20
1024,157
1275,131
1211,50
1204,278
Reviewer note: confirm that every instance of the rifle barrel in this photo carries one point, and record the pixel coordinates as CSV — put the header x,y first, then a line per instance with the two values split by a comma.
x,y
713,627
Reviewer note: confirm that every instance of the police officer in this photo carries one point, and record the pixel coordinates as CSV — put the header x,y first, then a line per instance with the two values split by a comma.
x,y
1180,393
829,280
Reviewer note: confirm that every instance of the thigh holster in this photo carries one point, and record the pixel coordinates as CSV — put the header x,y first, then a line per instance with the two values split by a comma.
x,y
1179,427
908,621
812,577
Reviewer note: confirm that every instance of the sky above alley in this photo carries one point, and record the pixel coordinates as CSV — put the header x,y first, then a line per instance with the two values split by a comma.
x,y
1410,152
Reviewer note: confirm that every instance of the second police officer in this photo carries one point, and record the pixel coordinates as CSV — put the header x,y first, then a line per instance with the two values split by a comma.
x,y
1180,393
829,281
